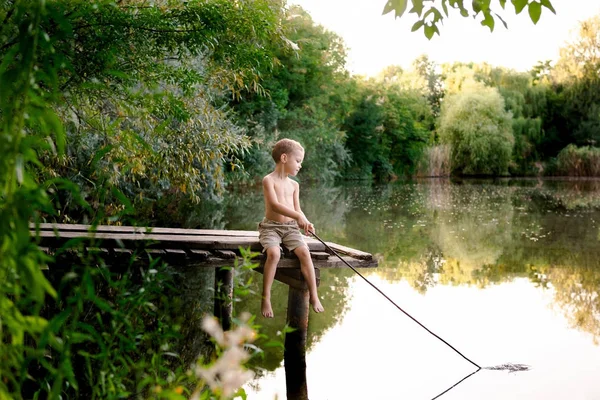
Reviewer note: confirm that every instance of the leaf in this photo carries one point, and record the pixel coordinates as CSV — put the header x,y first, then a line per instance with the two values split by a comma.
x,y
535,10
488,21
548,5
57,128
519,5
398,5
122,198
445,7
19,168
417,25
401,8
502,20
100,153
389,6
502,4
417,7
429,31
35,324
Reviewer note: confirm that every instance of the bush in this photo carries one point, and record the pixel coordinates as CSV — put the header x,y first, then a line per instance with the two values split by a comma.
x,y
579,161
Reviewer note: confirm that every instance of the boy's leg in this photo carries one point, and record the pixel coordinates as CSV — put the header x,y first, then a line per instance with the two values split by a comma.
x,y
308,271
273,256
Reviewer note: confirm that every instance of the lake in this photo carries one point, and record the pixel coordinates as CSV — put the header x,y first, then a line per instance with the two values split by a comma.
x,y
506,271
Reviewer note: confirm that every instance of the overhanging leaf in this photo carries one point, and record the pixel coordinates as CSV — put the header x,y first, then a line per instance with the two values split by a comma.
x,y
548,5
417,7
401,7
398,5
502,20
519,5
445,7
535,10
417,25
429,31
488,21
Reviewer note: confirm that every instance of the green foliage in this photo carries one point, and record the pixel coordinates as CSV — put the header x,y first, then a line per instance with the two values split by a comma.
x,y
430,13
435,92
87,90
308,97
476,125
26,125
111,331
573,113
579,161
141,92
387,130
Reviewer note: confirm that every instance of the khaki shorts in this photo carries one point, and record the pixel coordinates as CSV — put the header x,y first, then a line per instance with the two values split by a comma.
x,y
273,233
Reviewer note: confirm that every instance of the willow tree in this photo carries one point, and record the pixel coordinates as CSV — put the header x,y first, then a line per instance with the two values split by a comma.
x,y
479,129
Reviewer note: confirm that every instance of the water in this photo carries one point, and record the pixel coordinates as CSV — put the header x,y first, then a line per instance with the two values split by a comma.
x,y
506,271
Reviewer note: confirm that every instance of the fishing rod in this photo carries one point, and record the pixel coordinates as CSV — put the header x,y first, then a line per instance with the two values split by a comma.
x,y
396,305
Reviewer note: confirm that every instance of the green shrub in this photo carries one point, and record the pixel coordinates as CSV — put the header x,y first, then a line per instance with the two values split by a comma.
x,y
579,161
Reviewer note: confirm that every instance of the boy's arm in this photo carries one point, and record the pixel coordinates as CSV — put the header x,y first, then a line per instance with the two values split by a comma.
x,y
274,204
309,227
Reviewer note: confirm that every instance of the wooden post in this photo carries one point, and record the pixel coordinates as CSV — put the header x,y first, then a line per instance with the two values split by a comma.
x,y
224,296
295,345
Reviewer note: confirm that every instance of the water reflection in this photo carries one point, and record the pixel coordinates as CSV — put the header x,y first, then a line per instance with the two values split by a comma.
x,y
439,234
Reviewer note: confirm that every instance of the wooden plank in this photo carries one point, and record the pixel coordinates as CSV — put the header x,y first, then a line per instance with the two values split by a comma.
x,y
139,229
199,254
350,251
226,254
319,255
50,239
175,255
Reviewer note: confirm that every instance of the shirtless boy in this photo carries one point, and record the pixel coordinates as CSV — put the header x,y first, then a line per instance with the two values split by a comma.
x,y
283,218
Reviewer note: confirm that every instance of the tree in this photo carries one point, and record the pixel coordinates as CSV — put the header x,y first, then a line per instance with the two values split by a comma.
x,y
477,126
428,70
141,92
430,16
308,94
577,76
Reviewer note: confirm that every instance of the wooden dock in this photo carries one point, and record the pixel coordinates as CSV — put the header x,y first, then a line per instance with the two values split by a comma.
x,y
216,249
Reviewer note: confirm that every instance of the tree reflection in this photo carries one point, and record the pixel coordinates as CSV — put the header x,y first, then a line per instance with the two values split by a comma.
x,y
435,232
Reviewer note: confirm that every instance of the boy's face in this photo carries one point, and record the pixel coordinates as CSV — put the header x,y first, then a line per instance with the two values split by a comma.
x,y
293,162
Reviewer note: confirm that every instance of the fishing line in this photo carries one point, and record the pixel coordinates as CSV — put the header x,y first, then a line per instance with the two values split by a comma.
x,y
504,367
391,301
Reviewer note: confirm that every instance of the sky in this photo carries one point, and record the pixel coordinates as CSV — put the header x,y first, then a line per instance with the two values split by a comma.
x,y
375,41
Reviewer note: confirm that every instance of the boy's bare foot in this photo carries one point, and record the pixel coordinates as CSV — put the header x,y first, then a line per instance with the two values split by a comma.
x,y
266,309
316,304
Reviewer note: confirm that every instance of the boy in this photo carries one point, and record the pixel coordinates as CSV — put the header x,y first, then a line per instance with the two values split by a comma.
x,y
283,218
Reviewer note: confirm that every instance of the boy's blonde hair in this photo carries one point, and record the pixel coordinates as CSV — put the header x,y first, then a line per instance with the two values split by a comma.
x,y
285,146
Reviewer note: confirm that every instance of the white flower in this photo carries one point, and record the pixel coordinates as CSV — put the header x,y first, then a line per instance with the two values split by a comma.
x,y
227,374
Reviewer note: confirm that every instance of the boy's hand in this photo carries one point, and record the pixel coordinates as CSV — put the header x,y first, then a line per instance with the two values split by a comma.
x,y
303,223
310,229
